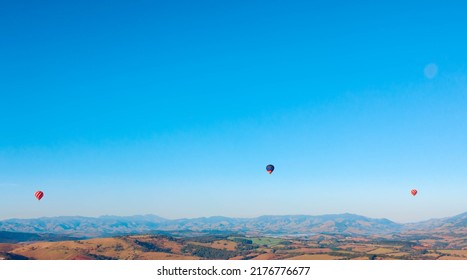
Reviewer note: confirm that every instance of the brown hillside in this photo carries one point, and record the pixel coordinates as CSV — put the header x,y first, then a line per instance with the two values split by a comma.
x,y
317,247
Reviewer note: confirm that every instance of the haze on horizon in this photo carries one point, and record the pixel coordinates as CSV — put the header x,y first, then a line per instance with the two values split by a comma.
x,y
175,109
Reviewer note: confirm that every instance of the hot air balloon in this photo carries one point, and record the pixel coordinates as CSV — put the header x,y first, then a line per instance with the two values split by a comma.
x,y
39,195
270,168
414,192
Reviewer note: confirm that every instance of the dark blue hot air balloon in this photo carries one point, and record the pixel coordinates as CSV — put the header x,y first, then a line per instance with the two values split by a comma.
x,y
270,168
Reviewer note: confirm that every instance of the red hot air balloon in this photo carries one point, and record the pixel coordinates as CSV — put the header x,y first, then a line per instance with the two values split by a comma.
x,y
414,192
39,195
270,168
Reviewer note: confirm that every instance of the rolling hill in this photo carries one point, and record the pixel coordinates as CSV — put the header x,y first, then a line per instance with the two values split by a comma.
x,y
238,247
452,224
347,224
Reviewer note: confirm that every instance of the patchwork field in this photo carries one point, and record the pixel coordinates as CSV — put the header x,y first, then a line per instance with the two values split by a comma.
x,y
166,247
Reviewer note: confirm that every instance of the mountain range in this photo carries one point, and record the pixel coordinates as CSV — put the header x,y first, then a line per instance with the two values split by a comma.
x,y
350,224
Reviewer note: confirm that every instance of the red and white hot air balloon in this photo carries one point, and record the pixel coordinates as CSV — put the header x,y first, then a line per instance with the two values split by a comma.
x,y
39,195
414,192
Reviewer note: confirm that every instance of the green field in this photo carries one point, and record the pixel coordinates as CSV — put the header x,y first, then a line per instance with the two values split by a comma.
x,y
263,241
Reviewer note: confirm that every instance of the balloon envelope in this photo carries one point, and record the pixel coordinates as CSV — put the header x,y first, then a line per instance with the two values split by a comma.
x,y
270,168
39,195
414,192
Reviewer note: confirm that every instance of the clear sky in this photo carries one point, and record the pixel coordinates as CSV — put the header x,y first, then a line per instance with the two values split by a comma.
x,y
175,108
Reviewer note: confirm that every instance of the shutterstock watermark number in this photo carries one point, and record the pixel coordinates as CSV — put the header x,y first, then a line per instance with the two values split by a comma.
x,y
280,270
253,271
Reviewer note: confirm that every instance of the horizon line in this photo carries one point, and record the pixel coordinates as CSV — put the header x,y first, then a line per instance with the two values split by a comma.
x,y
215,216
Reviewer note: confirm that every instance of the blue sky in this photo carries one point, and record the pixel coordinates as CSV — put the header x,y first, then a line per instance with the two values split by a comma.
x,y
175,108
